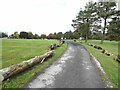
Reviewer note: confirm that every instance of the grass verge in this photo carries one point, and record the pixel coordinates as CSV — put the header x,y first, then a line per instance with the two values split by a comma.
x,y
20,79
16,50
109,65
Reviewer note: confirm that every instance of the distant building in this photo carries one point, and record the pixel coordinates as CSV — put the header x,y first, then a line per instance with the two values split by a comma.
x,y
81,38
62,38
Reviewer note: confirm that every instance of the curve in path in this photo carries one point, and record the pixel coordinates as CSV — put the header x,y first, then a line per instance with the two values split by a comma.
x,y
73,69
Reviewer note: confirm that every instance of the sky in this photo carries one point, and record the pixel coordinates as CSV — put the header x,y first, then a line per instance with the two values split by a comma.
x,y
38,16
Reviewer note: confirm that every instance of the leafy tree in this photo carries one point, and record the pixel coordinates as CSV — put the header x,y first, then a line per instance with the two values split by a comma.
x,y
59,35
23,35
55,35
114,28
50,36
76,34
2,35
43,36
96,35
30,35
104,11
16,35
85,19
68,35
36,36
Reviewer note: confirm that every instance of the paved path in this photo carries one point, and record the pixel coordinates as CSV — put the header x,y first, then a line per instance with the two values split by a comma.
x,y
73,69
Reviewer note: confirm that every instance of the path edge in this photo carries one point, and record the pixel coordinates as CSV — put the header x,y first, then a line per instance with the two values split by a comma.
x,y
104,77
42,71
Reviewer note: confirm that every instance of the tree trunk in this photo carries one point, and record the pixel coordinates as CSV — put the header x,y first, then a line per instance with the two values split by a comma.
x,y
14,69
86,38
103,36
87,31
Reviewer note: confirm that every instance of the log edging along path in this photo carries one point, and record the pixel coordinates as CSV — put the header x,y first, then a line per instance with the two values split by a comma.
x,y
7,72
73,69
17,68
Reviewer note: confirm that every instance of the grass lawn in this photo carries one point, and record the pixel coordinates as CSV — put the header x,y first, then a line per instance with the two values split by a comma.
x,y
108,63
110,46
15,51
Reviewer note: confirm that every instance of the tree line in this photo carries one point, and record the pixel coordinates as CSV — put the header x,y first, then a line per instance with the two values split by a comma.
x,y
88,22
30,35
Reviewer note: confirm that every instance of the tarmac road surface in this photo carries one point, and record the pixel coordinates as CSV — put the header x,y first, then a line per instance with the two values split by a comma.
x,y
74,69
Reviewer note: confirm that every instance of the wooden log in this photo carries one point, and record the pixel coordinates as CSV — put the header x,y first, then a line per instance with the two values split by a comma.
x,y
14,69
99,48
103,51
117,58
91,45
61,43
58,45
74,40
106,52
52,47
95,46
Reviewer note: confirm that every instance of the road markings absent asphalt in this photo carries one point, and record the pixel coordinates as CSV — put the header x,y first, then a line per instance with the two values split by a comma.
x,y
73,69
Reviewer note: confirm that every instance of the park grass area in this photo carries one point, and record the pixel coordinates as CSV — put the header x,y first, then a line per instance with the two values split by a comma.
x,y
108,63
15,51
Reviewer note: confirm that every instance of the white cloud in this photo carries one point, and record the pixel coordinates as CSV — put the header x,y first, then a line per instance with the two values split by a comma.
x,y
38,16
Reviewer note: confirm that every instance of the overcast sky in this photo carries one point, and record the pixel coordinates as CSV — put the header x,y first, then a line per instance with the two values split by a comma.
x,y
38,16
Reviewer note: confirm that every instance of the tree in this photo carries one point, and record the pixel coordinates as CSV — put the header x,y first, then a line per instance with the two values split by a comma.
x,y
114,28
68,35
59,35
23,35
50,36
105,10
16,35
76,34
30,35
43,36
3,35
96,35
55,35
36,36
85,19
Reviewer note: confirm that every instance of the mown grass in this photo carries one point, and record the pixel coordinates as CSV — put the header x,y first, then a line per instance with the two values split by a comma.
x,y
110,46
108,63
20,79
17,50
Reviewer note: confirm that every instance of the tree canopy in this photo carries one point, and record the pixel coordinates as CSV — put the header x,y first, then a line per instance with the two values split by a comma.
x,y
89,21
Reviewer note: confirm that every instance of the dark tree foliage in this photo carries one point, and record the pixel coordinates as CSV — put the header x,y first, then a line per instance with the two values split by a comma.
x,y
23,35
59,35
3,35
114,28
30,35
15,35
105,10
43,36
52,36
68,35
36,36
85,19
88,21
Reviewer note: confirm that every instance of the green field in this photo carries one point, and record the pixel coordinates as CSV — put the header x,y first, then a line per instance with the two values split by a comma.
x,y
17,50
110,46
107,62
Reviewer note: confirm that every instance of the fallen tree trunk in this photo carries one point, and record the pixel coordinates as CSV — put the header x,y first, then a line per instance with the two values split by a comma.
x,y
14,69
